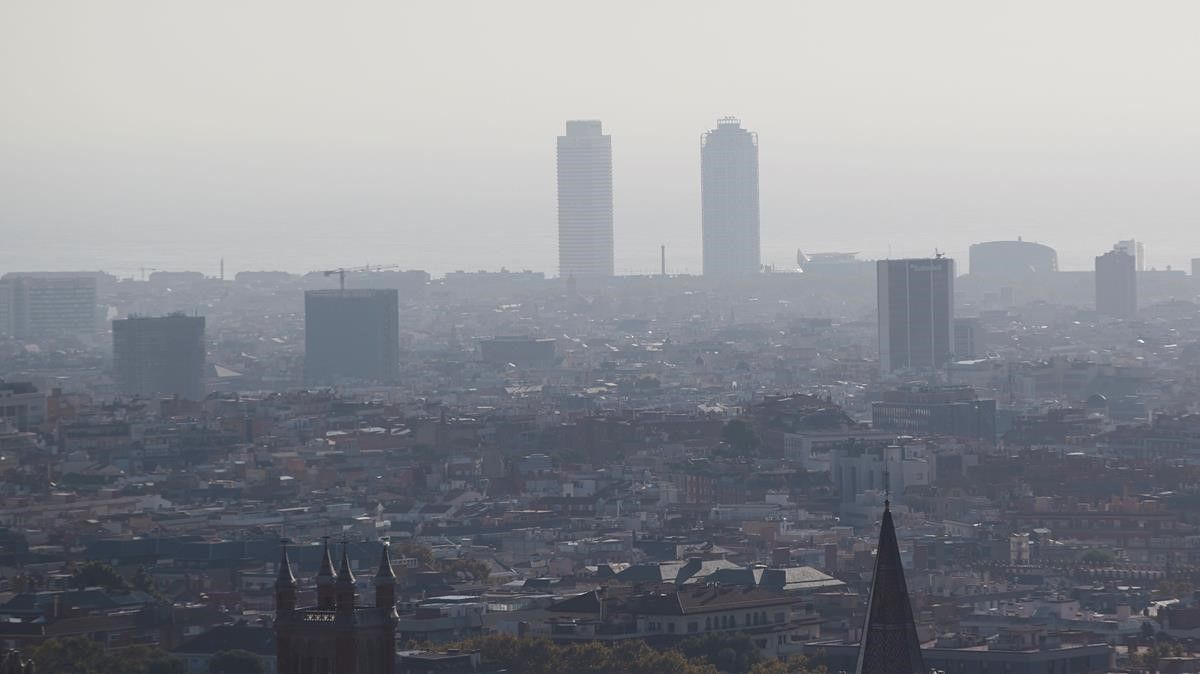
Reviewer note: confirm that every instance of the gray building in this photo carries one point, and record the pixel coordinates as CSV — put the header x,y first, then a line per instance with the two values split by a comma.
x,y
1116,284
915,409
729,200
22,405
48,304
916,313
351,335
162,356
585,201
518,350
1012,258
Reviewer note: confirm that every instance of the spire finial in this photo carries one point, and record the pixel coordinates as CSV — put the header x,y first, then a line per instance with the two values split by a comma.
x,y
285,578
345,575
326,571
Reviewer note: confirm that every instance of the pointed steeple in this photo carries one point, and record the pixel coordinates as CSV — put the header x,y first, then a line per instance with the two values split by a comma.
x,y
345,575
285,578
326,570
325,595
285,586
889,641
344,591
385,566
385,583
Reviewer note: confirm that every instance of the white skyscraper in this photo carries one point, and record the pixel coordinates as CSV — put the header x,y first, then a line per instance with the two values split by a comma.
x,y
729,199
585,201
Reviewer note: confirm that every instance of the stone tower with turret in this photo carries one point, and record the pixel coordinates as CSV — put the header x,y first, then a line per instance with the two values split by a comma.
x,y
336,636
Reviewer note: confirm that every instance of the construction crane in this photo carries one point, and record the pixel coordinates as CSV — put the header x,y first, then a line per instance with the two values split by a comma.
x,y
342,271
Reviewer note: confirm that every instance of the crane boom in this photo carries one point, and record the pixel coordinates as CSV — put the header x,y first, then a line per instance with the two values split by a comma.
x,y
341,271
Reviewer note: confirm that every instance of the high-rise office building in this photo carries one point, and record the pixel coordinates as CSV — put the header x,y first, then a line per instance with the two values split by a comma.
x,y
729,199
585,201
916,313
351,335
160,356
1116,284
48,304
1135,248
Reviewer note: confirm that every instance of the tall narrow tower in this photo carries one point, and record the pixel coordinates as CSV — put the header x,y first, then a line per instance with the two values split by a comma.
x,y
729,199
585,201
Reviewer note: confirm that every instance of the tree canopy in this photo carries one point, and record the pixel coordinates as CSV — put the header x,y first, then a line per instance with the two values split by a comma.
x,y
236,661
79,655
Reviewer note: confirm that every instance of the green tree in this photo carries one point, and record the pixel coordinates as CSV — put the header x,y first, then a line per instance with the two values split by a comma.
x,y
1098,557
236,661
727,652
740,436
73,655
79,655
99,574
793,665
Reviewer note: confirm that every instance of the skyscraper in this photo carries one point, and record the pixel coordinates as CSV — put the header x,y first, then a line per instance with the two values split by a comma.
x,y
729,199
351,335
916,313
1135,248
889,642
1116,284
44,304
162,356
585,201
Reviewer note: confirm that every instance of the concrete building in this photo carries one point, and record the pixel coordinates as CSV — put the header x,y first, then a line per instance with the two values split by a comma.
x,y
585,201
729,200
51,304
939,410
22,405
1011,258
1116,284
1135,248
351,335
162,356
518,350
968,338
916,313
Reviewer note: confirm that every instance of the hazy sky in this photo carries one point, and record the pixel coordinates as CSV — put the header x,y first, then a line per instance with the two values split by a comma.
x,y
301,135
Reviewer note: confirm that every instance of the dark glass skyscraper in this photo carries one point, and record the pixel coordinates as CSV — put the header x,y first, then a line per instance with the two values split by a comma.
x,y
729,199
1116,284
916,313
160,356
351,335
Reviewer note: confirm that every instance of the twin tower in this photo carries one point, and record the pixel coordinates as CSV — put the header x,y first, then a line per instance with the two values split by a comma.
x,y
729,201
336,636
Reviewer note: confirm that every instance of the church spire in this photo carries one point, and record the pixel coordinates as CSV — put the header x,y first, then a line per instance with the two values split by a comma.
x,y
325,596
889,640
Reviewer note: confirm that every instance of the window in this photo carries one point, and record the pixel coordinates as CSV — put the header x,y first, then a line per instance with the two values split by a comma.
x,y
693,626
707,624
671,627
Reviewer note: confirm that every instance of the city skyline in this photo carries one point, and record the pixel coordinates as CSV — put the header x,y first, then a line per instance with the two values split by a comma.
x,y
118,161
